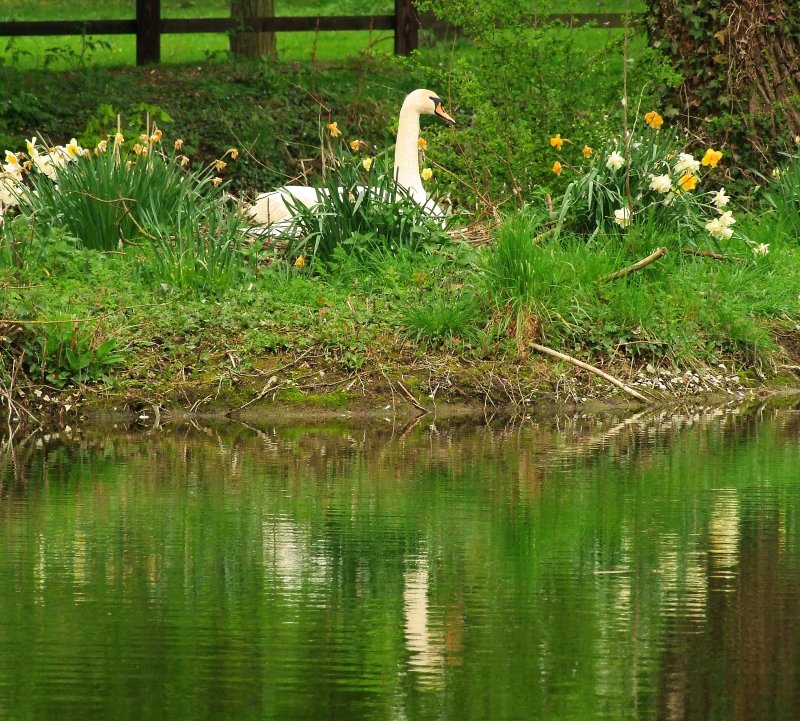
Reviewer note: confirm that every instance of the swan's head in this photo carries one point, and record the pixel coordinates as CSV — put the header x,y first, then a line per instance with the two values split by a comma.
x,y
426,102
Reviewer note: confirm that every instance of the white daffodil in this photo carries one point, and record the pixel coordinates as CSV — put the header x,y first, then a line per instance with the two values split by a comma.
x,y
9,191
622,217
660,183
687,164
761,249
718,229
615,161
44,164
720,199
727,219
73,150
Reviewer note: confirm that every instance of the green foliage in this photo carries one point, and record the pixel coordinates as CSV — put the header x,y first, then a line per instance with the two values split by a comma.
x,y
197,249
783,195
444,321
363,210
520,82
105,200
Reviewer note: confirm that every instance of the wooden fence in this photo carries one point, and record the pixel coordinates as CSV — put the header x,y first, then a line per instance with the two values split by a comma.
x,y
148,26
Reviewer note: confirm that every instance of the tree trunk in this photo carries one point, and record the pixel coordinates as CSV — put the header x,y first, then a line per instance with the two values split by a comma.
x,y
740,62
246,44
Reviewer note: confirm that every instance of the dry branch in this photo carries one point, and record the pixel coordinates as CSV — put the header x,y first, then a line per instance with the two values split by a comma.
x,y
638,265
580,364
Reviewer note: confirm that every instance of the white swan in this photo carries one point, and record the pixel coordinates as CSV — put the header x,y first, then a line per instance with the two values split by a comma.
x,y
272,210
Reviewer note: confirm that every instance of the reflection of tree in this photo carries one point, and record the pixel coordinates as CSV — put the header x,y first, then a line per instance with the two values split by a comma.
x,y
749,641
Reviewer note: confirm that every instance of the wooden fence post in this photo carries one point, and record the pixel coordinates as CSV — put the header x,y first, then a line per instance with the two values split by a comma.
x,y
406,29
148,31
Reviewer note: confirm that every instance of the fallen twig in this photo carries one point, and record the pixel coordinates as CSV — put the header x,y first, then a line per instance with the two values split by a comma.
x,y
614,381
654,256
709,254
410,397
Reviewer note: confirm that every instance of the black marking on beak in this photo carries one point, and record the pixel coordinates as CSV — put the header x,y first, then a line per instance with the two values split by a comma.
x,y
440,112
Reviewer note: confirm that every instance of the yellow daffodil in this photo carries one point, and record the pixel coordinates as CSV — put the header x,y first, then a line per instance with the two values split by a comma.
x,y
427,173
367,163
216,181
587,151
234,153
653,119
156,136
422,143
355,145
300,262
119,138
688,181
557,142
220,165
557,168
712,157
72,149
179,144
333,128
184,161
144,138
102,146
138,149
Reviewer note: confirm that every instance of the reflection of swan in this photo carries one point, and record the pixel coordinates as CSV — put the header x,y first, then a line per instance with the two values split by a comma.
x,y
272,208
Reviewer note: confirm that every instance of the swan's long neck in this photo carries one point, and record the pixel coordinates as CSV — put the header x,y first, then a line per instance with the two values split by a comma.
x,y
406,158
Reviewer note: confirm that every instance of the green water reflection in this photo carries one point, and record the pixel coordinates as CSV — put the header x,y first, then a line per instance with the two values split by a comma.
x,y
639,568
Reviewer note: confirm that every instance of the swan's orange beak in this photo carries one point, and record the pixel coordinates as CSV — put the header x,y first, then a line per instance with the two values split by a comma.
x,y
440,112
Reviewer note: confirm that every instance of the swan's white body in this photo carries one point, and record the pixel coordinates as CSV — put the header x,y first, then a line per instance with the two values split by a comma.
x,y
272,210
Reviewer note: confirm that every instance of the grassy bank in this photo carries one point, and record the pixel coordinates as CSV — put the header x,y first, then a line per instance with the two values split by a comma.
x,y
150,292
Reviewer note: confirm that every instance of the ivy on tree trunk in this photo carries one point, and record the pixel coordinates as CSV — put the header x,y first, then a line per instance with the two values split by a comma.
x,y
252,44
741,66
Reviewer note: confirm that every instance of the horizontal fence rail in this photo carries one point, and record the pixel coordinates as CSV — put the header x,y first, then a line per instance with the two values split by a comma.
x,y
148,26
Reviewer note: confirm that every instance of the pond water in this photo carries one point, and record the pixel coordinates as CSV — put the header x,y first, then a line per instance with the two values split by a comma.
x,y
645,567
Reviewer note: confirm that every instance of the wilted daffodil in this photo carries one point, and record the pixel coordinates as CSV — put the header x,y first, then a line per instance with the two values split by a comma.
x,y
622,217
557,168
660,183
615,161
333,128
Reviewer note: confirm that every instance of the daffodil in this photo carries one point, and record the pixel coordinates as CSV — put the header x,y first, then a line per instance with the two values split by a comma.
x,y
179,144
234,153
138,149
333,128
220,165
587,151
654,120
427,173
712,157
557,168
557,142
156,136
622,217
422,143
184,161
615,161
720,200
367,163
687,164
355,145
144,138
216,181
761,249
660,183
687,181
776,173
300,262
119,139
73,150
